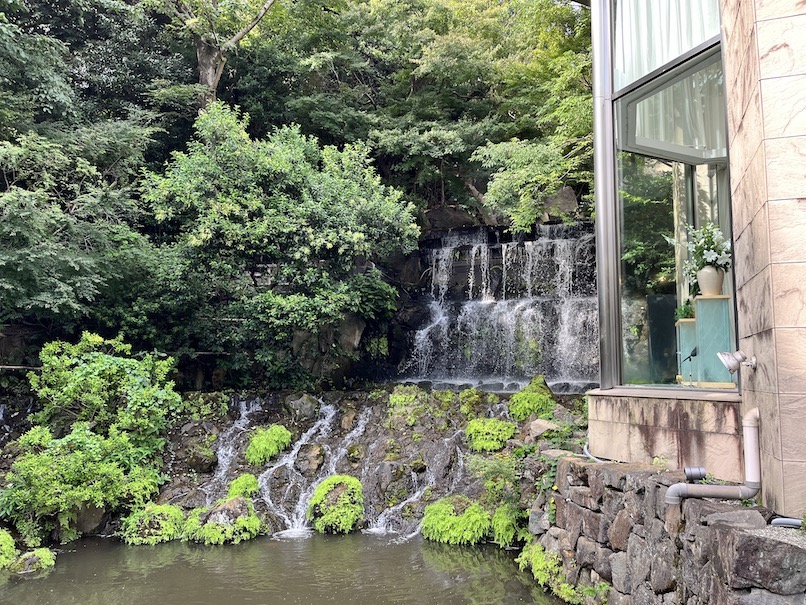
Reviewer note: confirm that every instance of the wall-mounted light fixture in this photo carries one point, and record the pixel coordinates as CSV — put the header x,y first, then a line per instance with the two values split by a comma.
x,y
733,361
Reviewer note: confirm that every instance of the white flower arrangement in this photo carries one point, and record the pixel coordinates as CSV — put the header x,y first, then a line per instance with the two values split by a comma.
x,y
707,246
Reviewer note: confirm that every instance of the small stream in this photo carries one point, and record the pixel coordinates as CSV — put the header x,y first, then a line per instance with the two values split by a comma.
x,y
356,569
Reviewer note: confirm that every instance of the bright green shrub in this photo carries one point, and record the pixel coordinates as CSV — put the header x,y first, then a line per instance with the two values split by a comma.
x,y
35,560
547,570
506,524
470,402
153,524
52,478
8,550
203,525
337,505
98,381
244,485
266,443
488,434
534,398
455,520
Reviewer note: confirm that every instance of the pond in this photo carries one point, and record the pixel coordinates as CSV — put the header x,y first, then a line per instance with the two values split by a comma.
x,y
357,569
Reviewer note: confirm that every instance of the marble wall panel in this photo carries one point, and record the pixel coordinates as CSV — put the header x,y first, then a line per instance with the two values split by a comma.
x,y
782,46
749,192
754,305
789,295
794,484
748,138
785,159
769,420
783,103
772,486
787,219
793,427
765,377
776,9
790,351
752,249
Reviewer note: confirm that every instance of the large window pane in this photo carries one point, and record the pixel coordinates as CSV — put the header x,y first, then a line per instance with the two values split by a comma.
x,y
650,33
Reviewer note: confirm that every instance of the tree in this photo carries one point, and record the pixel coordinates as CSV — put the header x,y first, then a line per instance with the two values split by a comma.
x,y
216,29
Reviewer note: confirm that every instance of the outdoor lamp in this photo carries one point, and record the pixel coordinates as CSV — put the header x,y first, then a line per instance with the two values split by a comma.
x,y
733,361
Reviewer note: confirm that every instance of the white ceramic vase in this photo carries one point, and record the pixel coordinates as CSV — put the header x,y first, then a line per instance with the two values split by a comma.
x,y
710,279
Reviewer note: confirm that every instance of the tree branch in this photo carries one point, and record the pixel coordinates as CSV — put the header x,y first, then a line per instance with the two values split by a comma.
x,y
233,42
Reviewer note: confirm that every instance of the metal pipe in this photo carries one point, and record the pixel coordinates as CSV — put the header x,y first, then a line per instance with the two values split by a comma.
x,y
587,452
752,471
787,522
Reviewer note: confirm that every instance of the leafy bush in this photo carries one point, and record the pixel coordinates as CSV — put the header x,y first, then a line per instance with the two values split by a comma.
x,y
209,526
535,398
53,478
337,505
507,524
153,524
244,485
97,381
488,434
455,520
266,443
8,550
547,570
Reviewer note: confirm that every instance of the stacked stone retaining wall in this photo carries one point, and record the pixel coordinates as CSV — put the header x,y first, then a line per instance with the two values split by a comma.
x,y
611,524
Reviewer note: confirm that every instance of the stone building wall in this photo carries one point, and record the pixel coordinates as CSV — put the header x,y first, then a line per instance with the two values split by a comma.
x,y
612,524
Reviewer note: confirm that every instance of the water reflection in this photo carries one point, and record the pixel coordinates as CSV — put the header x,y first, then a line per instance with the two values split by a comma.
x,y
356,569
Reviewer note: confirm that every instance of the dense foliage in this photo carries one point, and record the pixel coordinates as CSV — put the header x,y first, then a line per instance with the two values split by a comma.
x,y
153,524
535,398
265,443
488,434
455,520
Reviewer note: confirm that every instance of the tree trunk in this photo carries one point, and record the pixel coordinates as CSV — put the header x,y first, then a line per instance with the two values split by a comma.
x,y
211,65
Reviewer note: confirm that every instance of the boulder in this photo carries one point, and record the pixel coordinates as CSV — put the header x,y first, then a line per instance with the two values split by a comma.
x,y
310,459
303,408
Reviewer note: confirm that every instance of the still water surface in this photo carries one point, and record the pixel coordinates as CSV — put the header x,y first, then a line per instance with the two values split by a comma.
x,y
356,569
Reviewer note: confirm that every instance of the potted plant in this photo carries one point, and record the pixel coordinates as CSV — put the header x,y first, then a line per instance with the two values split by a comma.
x,y
708,258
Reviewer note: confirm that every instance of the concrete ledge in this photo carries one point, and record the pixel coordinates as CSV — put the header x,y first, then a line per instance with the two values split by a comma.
x,y
629,426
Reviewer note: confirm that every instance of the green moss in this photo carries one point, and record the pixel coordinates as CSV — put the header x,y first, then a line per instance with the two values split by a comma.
x,y
203,528
488,434
35,560
535,398
245,485
547,570
445,399
337,505
266,443
455,520
8,550
470,402
153,524
407,403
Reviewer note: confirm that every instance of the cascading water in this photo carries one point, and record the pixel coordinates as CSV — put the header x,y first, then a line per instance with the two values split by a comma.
x,y
503,312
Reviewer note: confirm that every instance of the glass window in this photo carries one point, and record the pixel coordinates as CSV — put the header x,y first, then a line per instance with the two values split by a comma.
x,y
650,33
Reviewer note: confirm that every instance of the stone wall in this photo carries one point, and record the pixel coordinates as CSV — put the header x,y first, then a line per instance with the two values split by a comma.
x,y
611,524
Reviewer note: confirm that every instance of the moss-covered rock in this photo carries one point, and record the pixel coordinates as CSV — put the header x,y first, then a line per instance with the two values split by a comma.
x,y
229,521
535,398
265,443
34,560
244,485
488,434
153,524
455,520
337,505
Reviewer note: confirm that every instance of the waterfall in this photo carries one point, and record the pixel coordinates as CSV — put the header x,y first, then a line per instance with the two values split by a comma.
x,y
501,312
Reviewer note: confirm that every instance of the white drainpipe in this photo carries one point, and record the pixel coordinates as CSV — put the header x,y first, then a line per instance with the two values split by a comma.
x,y
752,471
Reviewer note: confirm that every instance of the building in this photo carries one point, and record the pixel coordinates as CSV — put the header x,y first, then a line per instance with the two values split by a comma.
x,y
700,117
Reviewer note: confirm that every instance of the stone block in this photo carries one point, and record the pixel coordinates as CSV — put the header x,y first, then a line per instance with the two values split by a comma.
x,y
602,563
643,594
757,596
614,475
614,597
595,526
663,573
539,522
612,502
586,551
619,530
737,519
761,559
583,497
560,504
573,521
639,561
540,426
620,573
596,482
634,505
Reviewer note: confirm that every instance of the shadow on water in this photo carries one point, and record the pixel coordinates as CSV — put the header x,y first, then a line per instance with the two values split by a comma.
x,y
356,569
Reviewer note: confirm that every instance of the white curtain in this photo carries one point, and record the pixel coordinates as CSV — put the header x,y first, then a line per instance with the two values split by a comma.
x,y
650,33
